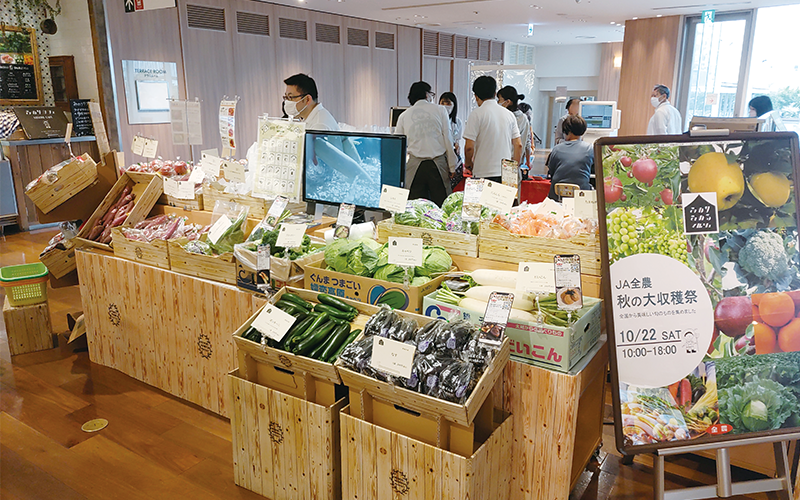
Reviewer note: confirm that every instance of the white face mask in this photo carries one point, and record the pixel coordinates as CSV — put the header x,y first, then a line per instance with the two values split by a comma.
x,y
449,108
291,108
654,101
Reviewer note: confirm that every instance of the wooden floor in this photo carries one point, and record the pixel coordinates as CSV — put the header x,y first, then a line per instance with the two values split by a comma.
x,y
157,446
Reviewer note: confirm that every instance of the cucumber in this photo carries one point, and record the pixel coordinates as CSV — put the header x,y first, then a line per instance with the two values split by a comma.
x,y
296,299
332,301
299,326
317,352
301,335
333,311
349,340
339,336
309,343
289,308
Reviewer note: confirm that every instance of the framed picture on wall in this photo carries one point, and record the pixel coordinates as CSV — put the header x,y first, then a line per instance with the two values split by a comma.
x,y
20,73
149,86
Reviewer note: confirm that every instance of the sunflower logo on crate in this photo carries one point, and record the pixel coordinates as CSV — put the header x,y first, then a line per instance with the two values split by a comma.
x,y
275,432
113,314
204,346
399,482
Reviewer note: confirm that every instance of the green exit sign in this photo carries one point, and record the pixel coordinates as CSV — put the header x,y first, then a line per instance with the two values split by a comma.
x,y
708,16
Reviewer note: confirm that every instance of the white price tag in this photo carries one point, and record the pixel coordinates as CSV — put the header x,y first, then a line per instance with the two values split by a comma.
x,y
569,296
276,210
536,277
234,171
197,176
393,357
68,134
150,148
263,257
273,322
568,205
497,196
344,220
393,199
170,187
185,190
219,227
210,164
586,204
137,147
405,251
471,207
495,318
291,235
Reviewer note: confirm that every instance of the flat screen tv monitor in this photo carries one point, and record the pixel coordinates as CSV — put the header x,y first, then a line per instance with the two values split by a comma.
x,y
599,115
394,114
351,167
734,124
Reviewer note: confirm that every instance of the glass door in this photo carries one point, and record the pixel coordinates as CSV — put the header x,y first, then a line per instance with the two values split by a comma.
x,y
715,65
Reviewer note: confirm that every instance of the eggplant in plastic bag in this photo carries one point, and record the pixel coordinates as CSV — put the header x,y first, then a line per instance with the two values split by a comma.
x,y
456,381
432,370
380,322
402,330
357,355
478,353
426,336
452,338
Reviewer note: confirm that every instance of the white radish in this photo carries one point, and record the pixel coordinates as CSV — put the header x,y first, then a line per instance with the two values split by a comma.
x,y
518,315
491,277
476,305
482,293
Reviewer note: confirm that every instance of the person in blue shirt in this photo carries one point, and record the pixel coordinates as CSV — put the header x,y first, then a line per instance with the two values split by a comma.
x,y
571,161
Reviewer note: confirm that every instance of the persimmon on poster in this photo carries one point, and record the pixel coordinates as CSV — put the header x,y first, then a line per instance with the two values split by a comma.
x,y
701,242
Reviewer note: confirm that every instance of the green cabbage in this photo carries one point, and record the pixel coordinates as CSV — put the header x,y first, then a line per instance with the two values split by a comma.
x,y
407,218
759,405
336,254
419,280
453,203
363,258
390,272
435,260
433,219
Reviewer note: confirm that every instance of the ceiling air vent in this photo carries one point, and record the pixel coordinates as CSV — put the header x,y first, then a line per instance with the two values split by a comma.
x,y
472,49
384,40
295,29
483,51
252,24
430,43
497,51
357,37
445,45
327,33
460,47
206,18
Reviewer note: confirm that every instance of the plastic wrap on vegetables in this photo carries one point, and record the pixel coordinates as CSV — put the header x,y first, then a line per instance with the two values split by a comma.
x,y
477,353
433,378
457,381
433,219
380,322
402,330
357,355
426,336
452,338
199,247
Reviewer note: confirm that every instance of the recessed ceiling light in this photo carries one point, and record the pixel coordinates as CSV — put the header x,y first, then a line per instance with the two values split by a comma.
x,y
658,15
635,18
612,22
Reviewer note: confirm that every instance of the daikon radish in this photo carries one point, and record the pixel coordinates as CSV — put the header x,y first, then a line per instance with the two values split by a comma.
x,y
480,307
490,277
518,315
482,293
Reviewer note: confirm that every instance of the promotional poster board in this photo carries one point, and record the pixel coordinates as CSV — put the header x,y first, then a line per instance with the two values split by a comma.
x,y
20,73
279,167
700,240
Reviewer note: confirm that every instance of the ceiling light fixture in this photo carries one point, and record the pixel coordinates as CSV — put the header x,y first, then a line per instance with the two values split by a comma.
x,y
635,18
658,15
612,22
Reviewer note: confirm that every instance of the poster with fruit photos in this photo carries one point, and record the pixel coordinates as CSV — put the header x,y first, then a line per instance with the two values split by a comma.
x,y
701,242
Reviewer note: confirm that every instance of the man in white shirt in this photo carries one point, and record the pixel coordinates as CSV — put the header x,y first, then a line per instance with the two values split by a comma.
x,y
491,134
432,159
667,119
301,101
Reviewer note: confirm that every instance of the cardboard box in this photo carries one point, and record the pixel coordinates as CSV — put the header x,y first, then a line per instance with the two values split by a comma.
x,y
319,278
282,271
549,346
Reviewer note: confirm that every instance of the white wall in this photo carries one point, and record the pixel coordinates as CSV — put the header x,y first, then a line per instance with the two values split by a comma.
x,y
74,38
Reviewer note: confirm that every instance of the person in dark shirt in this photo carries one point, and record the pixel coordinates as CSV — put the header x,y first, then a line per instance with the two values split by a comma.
x,y
571,161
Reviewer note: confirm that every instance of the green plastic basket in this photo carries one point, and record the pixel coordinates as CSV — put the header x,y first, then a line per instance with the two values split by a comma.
x,y
25,284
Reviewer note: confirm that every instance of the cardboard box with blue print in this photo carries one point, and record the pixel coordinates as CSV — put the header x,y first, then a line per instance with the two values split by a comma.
x,y
319,278
547,346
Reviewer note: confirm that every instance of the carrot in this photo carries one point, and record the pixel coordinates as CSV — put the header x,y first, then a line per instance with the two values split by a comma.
x,y
685,393
673,389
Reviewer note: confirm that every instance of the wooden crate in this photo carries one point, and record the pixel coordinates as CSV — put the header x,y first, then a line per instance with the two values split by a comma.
x,y
28,327
211,267
146,188
154,253
59,262
284,447
379,464
369,388
558,416
454,243
69,178
497,243
195,204
258,207
166,329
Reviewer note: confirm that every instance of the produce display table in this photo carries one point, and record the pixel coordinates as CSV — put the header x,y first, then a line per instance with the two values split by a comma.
x,y
166,329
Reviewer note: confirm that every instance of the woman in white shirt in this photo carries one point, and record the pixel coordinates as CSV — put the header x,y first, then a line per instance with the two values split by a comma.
x,y
448,100
509,99
431,158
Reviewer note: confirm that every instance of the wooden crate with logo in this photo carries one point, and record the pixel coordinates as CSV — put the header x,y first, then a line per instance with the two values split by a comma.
x,y
61,182
455,243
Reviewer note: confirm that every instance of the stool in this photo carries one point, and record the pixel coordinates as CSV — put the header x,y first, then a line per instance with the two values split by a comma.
x,y
28,327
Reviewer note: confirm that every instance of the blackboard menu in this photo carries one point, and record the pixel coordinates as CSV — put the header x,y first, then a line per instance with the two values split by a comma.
x,y
18,82
41,122
81,118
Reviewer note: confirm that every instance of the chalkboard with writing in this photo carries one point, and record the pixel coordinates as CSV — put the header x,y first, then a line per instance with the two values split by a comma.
x,y
41,122
20,75
81,118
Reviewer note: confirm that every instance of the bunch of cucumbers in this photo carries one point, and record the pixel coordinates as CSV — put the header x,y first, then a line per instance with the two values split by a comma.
x,y
320,331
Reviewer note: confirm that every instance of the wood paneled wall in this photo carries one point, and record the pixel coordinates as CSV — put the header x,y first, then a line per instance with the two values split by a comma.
x,y
357,84
649,57
608,81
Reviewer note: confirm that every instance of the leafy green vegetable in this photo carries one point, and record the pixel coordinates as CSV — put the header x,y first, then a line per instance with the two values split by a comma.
x,y
233,235
390,272
782,367
434,260
433,219
756,406
760,266
453,203
765,256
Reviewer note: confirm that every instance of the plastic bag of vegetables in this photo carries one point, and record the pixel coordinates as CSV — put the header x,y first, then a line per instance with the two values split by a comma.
x,y
234,234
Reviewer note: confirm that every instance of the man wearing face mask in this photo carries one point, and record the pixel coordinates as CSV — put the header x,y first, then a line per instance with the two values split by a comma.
x,y
667,119
301,101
